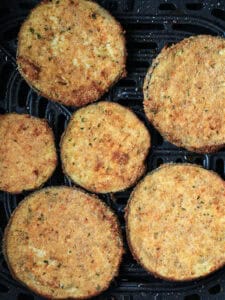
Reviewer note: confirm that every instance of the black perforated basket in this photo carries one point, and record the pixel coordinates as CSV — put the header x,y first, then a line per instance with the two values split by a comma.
x,y
149,26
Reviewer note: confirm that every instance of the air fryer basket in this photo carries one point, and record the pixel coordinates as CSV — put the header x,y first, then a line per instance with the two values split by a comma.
x,y
149,26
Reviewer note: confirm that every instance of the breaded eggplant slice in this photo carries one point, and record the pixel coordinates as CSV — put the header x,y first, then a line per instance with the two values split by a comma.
x,y
104,147
27,152
71,51
184,93
63,243
175,222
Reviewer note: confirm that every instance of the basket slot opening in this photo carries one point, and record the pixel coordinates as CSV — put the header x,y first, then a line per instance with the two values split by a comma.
x,y
216,289
11,34
167,6
121,197
192,297
127,83
19,198
220,166
143,26
158,140
61,124
23,93
124,298
120,200
159,161
26,5
23,296
4,12
179,160
194,6
218,13
51,116
128,258
132,104
3,219
3,288
2,110
191,28
131,65
141,45
42,107
4,266
128,5
57,177
5,74
199,161
140,278
67,181
112,5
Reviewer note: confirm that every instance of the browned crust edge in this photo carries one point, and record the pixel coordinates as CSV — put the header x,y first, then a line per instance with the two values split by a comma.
x,y
169,137
133,252
50,132
6,232
140,174
82,98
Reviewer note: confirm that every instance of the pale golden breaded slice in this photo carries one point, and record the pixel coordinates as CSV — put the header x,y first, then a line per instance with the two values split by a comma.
x,y
175,222
27,152
104,147
63,243
71,51
184,93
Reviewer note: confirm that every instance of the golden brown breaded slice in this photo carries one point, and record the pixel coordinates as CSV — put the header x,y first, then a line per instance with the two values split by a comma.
x,y
104,147
71,51
27,152
63,243
184,93
175,221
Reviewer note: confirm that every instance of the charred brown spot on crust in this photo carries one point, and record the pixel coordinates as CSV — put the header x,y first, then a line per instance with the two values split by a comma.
x,y
23,127
97,87
82,95
104,74
98,165
62,83
38,131
120,158
74,2
29,68
36,172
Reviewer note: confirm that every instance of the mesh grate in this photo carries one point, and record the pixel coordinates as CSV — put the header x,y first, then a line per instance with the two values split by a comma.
x,y
149,26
